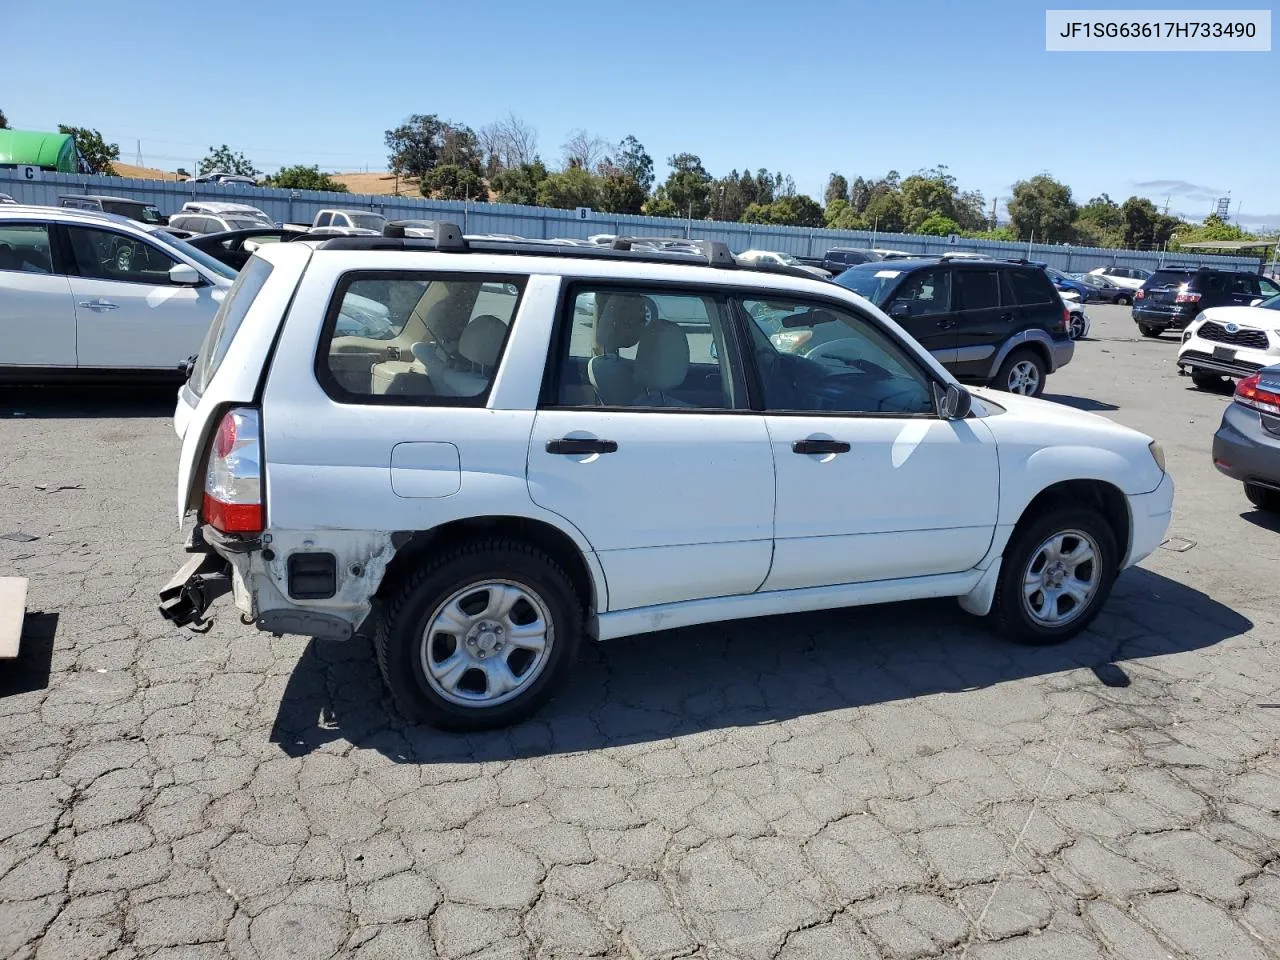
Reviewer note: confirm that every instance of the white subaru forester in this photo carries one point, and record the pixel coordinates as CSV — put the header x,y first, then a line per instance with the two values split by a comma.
x,y
550,441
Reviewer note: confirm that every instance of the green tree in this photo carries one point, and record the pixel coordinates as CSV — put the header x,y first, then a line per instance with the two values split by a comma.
x,y
620,192
633,160
1042,209
451,181
796,210
837,189
225,160
520,184
4,121
687,191
1100,222
926,195
96,155
836,212
1144,225
424,141
937,225
570,188
301,177
885,212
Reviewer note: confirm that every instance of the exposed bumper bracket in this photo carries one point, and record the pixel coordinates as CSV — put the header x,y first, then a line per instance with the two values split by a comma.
x,y
185,598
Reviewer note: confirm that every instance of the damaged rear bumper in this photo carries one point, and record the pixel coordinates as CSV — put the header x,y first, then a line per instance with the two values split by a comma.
x,y
200,581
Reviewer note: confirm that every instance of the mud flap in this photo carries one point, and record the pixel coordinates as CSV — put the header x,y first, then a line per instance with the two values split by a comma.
x,y
185,598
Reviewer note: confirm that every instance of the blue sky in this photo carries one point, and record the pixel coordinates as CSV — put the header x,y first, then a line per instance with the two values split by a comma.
x,y
805,88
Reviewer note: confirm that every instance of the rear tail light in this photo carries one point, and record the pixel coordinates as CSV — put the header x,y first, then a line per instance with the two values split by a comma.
x,y
1184,296
1252,392
233,482
1066,319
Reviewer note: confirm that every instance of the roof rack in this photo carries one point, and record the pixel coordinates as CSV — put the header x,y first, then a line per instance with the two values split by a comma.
x,y
447,237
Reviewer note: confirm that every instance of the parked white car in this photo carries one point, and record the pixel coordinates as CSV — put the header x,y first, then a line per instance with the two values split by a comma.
x,y
1230,342
780,260
1131,278
1079,325
84,293
348,222
501,476
206,216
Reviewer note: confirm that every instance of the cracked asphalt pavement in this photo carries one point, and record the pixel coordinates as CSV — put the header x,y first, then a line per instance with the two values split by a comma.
x,y
881,782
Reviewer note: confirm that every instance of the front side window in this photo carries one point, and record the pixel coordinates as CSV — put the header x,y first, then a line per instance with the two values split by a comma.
x,y
977,289
107,255
24,248
641,349
416,338
827,359
926,293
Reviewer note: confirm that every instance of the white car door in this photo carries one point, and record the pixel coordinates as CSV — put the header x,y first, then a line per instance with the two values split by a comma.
x,y
129,315
871,483
642,443
37,314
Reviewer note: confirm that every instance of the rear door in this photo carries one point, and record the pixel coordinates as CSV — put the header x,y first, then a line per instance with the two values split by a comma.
x,y
984,318
37,313
644,442
129,315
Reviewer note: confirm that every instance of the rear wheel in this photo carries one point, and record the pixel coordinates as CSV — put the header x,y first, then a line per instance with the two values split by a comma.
x,y
480,636
1056,574
1206,381
1263,498
1148,330
1022,372
1124,301
1077,326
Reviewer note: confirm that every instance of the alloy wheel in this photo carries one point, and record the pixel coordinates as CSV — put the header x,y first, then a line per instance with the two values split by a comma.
x,y
1061,578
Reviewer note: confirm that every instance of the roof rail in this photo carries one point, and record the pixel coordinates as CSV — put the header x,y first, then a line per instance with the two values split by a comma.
x,y
447,237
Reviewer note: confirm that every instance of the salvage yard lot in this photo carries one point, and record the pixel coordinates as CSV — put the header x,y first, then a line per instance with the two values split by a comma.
x,y
889,781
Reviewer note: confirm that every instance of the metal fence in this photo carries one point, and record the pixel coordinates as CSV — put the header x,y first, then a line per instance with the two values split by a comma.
x,y
301,206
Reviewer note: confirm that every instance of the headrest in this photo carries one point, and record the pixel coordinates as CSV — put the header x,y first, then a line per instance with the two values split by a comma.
x,y
481,341
662,357
445,320
621,321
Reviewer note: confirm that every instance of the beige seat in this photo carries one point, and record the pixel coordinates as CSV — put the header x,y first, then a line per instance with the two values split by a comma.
x,y
662,363
479,348
619,325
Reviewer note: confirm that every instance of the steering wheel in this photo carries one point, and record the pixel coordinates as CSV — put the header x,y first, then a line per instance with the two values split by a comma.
x,y
829,351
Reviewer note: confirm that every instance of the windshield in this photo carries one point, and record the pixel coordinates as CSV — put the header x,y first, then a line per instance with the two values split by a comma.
x,y
245,222
367,221
873,280
199,256
1271,303
789,260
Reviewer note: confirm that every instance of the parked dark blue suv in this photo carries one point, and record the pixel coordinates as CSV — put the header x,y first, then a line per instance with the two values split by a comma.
x,y
994,322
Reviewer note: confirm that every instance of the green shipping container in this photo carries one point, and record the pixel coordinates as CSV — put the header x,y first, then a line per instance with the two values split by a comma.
x,y
49,151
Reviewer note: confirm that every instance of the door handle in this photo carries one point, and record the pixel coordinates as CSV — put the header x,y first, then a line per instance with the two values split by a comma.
x,y
945,324
567,446
819,446
98,305
1006,316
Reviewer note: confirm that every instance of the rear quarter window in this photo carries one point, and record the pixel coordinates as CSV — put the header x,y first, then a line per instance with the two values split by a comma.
x,y
227,321
1032,287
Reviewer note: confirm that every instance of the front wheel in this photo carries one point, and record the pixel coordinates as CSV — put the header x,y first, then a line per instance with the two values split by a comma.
x,y
1022,372
1263,498
1124,301
1148,330
480,636
1056,574
1077,327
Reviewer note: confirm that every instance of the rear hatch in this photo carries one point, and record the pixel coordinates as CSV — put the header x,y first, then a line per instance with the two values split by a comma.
x,y
1163,288
232,362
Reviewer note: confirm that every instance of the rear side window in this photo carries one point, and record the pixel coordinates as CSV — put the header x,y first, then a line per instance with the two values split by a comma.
x,y
423,339
976,289
1031,287
24,248
226,322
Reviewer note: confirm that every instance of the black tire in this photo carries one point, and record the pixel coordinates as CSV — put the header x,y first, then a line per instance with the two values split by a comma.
x,y
1009,615
1149,331
1262,497
399,638
1077,328
1005,372
1124,301
1206,381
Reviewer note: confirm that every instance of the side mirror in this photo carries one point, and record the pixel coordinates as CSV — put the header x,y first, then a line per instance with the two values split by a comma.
x,y
900,309
1254,302
954,402
184,275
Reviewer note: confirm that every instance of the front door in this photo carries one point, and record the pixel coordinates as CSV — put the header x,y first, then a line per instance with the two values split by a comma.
x,y
37,314
871,483
643,444
922,306
983,320
128,313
